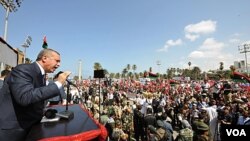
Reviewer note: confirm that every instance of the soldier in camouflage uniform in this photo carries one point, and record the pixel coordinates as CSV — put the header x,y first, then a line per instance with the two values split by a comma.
x,y
202,133
127,122
186,133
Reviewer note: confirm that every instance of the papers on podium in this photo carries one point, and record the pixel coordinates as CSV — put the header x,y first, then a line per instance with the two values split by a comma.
x,y
44,119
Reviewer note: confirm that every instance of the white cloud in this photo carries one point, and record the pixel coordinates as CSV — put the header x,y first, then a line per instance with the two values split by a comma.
x,y
209,54
196,54
234,40
193,31
170,43
192,37
246,42
209,49
203,27
210,44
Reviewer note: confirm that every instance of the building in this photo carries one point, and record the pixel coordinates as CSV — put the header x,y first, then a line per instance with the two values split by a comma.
x,y
9,57
240,66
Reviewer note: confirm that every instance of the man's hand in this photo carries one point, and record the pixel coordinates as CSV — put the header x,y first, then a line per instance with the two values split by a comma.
x,y
63,76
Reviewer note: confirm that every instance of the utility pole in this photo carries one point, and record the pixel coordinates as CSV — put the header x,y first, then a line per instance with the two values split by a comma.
x,y
245,48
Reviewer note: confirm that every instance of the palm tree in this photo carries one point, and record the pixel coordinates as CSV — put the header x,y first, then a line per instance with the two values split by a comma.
x,y
105,72
134,67
178,71
124,72
169,73
232,68
97,66
112,75
150,69
221,66
128,67
196,72
28,61
117,75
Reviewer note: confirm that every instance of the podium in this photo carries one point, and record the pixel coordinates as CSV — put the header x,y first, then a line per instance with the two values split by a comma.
x,y
82,127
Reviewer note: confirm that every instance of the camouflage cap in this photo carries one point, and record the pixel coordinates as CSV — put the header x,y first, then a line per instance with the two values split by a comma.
x,y
118,123
160,123
202,126
151,128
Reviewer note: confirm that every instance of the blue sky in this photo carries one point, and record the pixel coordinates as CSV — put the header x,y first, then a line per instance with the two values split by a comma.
x,y
120,32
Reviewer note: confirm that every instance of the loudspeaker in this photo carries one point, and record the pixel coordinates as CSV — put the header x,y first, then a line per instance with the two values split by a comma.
x,y
99,74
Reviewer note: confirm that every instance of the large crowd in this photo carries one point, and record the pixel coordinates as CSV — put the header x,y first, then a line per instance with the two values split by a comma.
x,y
154,110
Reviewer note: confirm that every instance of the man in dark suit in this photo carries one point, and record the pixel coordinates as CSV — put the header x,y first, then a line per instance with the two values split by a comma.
x,y
24,92
61,98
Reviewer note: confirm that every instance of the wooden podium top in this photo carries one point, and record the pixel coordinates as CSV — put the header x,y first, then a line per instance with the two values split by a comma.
x,y
78,127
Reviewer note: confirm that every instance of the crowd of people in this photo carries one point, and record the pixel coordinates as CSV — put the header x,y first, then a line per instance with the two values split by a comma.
x,y
153,110
131,110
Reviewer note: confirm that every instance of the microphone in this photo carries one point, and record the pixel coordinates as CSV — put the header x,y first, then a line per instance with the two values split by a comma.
x,y
71,83
68,81
66,114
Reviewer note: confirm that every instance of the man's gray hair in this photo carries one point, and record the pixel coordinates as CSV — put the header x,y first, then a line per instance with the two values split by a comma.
x,y
45,52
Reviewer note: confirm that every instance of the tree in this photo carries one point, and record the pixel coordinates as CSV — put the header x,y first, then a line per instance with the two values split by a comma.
x,y
196,72
105,72
232,68
124,72
134,67
169,73
220,73
28,61
97,66
117,75
150,69
221,66
128,67
112,75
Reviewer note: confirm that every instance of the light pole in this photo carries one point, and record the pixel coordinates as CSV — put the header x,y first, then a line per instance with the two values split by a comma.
x,y
80,70
9,6
244,49
158,64
25,45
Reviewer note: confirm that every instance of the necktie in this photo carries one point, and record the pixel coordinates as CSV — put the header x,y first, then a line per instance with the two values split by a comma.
x,y
44,79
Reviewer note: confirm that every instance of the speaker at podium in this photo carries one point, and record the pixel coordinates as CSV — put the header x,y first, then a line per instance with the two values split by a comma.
x,y
81,127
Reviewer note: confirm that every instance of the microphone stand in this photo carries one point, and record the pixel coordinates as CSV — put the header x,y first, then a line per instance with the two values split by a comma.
x,y
67,114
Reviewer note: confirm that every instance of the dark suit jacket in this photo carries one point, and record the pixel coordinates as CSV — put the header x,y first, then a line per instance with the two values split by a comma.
x,y
22,97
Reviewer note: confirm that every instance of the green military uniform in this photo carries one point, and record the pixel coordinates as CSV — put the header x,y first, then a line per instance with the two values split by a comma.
x,y
185,134
127,123
200,134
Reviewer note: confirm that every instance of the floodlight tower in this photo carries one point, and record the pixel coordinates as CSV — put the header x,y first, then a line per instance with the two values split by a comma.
x,y
9,6
25,45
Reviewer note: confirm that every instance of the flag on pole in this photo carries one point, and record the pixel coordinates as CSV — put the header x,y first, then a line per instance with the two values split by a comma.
x,y
45,44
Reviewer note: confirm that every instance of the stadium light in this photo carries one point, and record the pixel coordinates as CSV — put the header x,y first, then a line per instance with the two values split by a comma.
x,y
25,45
9,6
